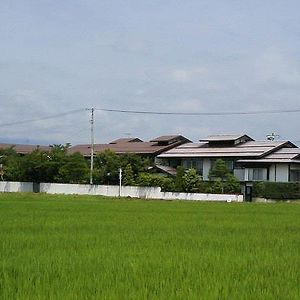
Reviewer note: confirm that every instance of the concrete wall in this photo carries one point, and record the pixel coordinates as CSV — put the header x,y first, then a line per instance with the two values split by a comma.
x,y
113,191
132,191
10,187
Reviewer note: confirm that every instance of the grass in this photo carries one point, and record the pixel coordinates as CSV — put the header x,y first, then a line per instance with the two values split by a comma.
x,y
80,247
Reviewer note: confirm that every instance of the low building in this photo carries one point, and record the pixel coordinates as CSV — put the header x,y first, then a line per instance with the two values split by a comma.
x,y
134,145
249,160
23,149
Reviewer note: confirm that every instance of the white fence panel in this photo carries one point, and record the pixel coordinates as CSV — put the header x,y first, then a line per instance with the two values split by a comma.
x,y
134,192
114,191
11,187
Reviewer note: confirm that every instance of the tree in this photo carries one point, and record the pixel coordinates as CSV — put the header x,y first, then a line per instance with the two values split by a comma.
x,y
138,163
179,183
232,185
191,181
37,167
220,174
74,170
128,178
107,166
11,165
219,170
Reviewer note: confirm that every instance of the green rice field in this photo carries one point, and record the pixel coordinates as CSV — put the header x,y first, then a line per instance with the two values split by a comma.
x,y
85,247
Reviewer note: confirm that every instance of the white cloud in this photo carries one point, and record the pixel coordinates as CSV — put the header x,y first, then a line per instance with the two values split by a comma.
x,y
187,75
274,66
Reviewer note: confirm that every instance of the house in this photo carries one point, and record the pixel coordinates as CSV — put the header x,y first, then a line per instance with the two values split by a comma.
x,y
249,160
149,149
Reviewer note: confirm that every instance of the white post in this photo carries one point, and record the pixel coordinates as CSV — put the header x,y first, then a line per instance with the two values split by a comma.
x,y
120,181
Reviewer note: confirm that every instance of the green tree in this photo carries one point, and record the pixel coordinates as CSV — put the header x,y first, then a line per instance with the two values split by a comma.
x,y
37,167
232,184
138,163
179,182
11,165
74,169
128,178
107,164
191,181
225,181
219,170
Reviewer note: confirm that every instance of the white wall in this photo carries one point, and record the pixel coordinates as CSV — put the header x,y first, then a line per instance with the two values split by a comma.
x,y
113,190
10,187
132,191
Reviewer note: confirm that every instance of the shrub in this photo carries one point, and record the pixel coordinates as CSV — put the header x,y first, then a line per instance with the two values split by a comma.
x,y
277,190
191,181
147,179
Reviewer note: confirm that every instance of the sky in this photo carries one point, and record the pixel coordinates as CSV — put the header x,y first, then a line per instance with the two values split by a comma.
x,y
158,55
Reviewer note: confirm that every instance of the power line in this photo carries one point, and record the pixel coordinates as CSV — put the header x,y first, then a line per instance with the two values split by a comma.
x,y
145,112
228,113
71,112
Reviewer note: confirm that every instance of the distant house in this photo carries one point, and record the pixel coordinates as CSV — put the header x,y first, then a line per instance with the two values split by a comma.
x,y
134,145
249,160
25,149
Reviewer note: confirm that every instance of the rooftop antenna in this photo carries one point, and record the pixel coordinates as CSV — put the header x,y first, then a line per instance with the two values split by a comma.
x,y
272,136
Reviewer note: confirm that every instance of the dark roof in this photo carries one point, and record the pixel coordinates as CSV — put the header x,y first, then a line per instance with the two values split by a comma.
x,y
126,140
169,138
283,155
225,137
25,149
128,146
164,169
250,149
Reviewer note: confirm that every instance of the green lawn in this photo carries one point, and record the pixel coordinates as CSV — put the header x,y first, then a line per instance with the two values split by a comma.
x,y
80,247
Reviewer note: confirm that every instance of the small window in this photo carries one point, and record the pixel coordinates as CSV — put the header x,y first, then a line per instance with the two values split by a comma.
x,y
193,163
258,174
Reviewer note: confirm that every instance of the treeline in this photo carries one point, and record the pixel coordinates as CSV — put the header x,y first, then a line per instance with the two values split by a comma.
x,y
59,166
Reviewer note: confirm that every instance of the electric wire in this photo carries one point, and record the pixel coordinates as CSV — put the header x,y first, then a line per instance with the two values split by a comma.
x,y
228,113
71,112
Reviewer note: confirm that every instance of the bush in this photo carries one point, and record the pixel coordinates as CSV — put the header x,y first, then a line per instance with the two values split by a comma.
x,y
277,190
191,181
152,180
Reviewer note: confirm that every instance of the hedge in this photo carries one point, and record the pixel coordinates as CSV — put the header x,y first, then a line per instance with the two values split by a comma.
x,y
277,190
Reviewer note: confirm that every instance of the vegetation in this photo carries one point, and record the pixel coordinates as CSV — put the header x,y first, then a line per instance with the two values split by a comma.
x,y
191,181
58,166
224,180
277,190
80,247
108,163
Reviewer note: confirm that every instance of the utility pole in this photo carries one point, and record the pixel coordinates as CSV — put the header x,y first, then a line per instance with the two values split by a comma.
x,y
92,143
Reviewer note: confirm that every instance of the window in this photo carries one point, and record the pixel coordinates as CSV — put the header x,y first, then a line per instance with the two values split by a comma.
x,y
258,174
193,163
295,175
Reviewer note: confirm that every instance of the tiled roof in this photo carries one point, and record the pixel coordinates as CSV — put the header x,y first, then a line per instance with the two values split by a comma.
x,y
126,140
224,137
147,148
25,149
249,149
287,155
168,138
